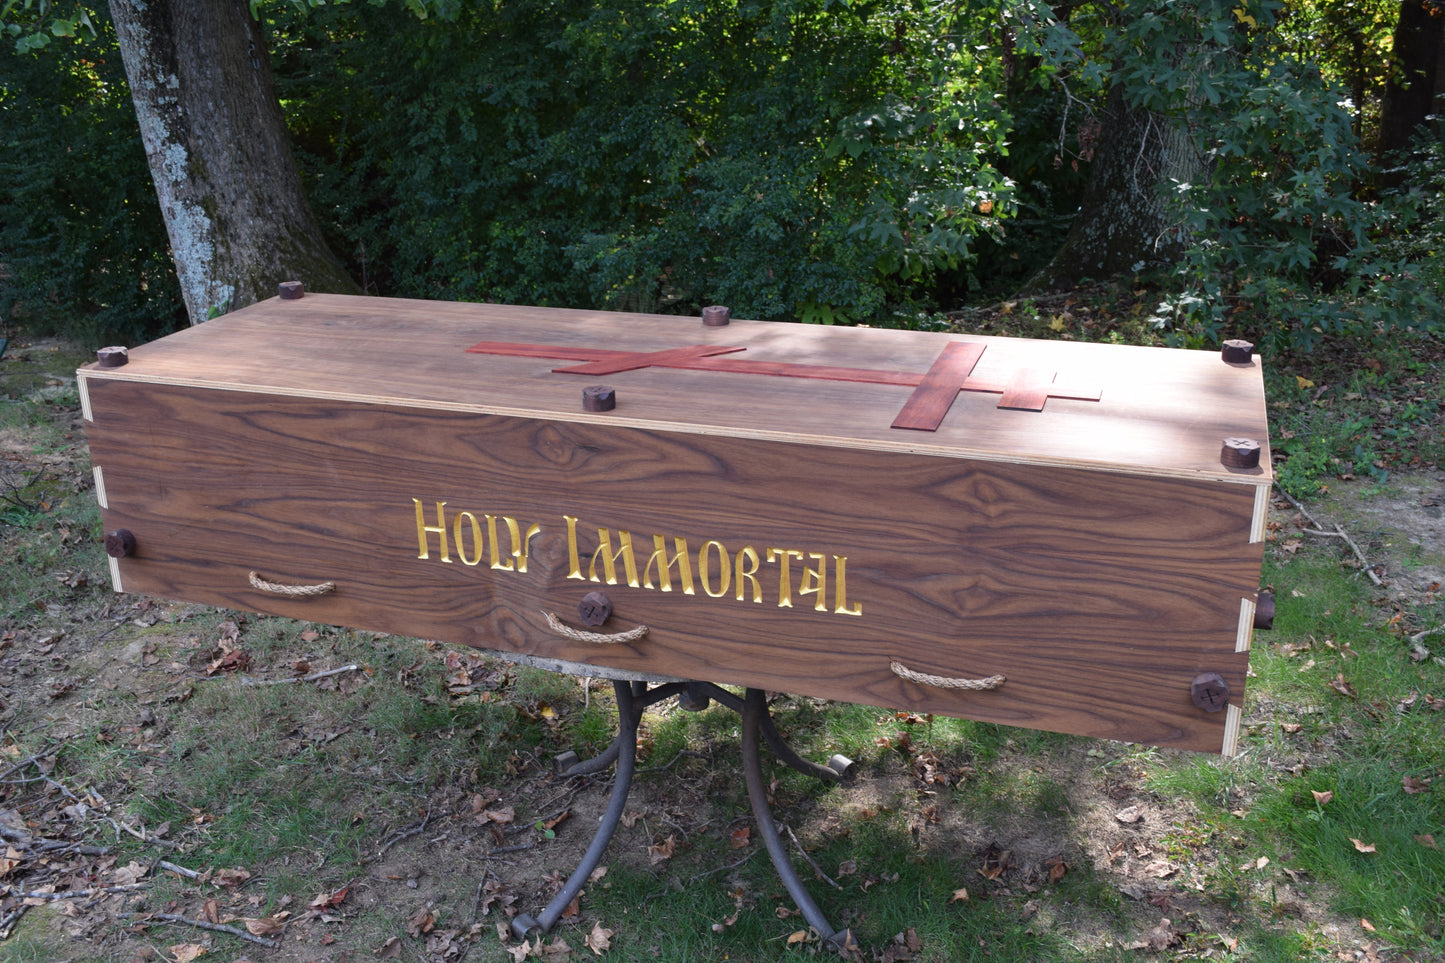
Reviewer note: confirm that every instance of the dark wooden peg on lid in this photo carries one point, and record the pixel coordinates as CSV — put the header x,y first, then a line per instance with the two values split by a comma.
x,y
1240,453
119,543
594,609
716,316
1238,352
599,398
1209,691
112,357
290,290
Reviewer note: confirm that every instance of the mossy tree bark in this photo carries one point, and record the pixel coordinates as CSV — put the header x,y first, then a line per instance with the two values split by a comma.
x,y
219,154
1124,223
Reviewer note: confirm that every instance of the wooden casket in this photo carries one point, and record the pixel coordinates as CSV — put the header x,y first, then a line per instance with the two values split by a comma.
x,y
1055,535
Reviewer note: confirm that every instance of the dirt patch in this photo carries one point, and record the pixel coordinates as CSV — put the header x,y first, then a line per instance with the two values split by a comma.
x,y
1398,525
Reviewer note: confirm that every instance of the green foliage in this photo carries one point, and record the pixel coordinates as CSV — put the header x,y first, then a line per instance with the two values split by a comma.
x,y
783,158
83,251
1278,241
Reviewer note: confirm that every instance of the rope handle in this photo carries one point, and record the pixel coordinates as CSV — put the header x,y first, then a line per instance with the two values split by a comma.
x,y
943,681
261,584
598,638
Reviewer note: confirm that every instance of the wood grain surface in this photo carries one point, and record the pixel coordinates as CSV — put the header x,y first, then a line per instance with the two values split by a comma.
x,y
1099,593
1162,412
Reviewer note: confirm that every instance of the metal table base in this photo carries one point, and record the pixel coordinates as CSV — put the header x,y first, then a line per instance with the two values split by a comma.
x,y
632,699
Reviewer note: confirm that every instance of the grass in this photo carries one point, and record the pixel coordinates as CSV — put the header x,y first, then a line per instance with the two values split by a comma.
x,y
302,785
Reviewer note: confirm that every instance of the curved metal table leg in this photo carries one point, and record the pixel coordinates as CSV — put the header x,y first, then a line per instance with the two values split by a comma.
x,y
628,715
642,697
754,710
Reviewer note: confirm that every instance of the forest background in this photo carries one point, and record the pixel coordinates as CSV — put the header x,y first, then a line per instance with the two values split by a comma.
x,y
1253,168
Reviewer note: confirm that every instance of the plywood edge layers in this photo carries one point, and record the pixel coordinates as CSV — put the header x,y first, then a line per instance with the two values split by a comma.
x,y
1233,717
1261,514
1246,625
100,498
114,573
80,383
756,434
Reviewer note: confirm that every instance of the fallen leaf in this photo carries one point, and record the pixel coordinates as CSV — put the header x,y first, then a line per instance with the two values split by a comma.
x,y
1159,869
524,950
1413,785
1304,383
556,950
230,877
421,921
1363,847
132,872
1323,798
848,867
1339,684
1367,925
325,901
186,952
1057,869
503,814
741,837
265,926
1130,814
599,941
1427,840
1162,936
959,895
801,936
659,852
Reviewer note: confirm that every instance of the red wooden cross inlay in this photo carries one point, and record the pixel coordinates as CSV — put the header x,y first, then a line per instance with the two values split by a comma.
x,y
934,391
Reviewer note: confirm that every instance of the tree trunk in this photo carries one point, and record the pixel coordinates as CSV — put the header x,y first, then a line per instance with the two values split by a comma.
x,y
1124,222
1410,89
213,132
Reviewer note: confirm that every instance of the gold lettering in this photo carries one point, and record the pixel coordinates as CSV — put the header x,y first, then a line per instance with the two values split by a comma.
x,y
574,563
745,575
785,578
609,558
815,581
461,542
521,547
423,530
664,565
723,559
492,548
840,588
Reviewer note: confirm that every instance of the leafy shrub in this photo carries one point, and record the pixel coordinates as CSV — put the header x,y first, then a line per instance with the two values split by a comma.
x,y
83,250
796,157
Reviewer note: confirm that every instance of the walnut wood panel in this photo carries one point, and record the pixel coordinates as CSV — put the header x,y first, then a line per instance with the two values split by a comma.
x,y
1099,595
1162,412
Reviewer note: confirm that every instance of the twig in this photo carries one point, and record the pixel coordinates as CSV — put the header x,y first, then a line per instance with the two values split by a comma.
x,y
1339,532
246,680
816,868
78,893
1295,502
481,884
141,834
200,925
7,923
399,835
712,872
187,873
16,767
